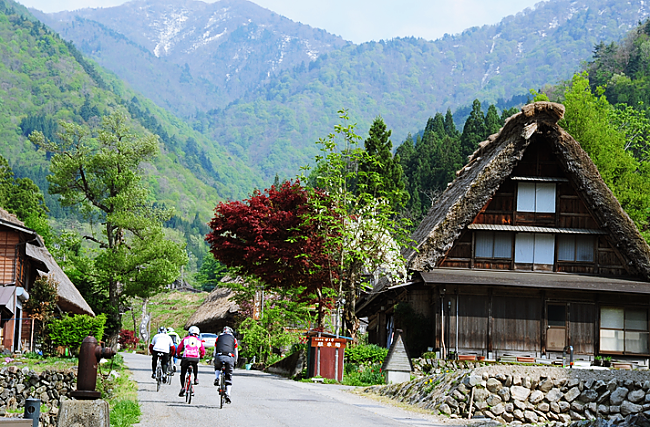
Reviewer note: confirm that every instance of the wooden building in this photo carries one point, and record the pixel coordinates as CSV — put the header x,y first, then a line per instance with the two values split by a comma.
x,y
23,259
525,253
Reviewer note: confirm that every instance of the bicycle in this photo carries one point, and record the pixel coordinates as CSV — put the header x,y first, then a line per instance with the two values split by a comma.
x,y
189,388
159,374
222,385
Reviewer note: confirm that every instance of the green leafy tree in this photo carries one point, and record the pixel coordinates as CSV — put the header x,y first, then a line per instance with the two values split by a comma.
x,y
360,230
380,175
102,178
210,273
492,121
590,119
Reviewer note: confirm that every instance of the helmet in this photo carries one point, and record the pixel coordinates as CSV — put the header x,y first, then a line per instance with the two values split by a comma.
x,y
170,330
194,330
227,330
162,330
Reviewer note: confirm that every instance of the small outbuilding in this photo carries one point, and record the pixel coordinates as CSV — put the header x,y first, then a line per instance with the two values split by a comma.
x,y
397,366
218,309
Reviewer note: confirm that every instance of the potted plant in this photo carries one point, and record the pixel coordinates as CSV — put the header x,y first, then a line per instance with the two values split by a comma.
x,y
607,361
598,361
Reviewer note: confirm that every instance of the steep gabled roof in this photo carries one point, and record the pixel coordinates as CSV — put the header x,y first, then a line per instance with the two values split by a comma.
x,y
494,162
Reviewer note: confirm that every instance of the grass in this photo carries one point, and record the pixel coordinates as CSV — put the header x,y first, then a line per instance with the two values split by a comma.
x,y
167,309
39,363
121,393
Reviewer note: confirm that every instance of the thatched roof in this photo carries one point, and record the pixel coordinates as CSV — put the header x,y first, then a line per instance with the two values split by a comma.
x,y
495,160
217,311
69,298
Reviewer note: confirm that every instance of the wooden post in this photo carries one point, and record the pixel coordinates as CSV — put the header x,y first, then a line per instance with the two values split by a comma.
x,y
31,340
471,403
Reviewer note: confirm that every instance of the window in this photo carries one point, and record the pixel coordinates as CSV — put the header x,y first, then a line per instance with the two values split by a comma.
x,y
623,330
534,248
575,248
536,197
491,244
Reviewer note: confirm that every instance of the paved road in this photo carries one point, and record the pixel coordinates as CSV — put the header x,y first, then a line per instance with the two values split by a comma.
x,y
261,399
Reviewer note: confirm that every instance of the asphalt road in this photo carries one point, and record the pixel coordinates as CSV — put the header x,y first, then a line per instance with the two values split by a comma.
x,y
261,399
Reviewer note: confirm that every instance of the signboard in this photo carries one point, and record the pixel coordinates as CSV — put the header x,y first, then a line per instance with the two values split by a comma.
x,y
328,342
258,300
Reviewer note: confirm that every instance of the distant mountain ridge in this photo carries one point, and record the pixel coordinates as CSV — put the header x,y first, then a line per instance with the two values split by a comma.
x,y
267,101
217,51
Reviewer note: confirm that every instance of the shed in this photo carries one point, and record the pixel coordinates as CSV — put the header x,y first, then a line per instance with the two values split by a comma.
x,y
218,309
397,365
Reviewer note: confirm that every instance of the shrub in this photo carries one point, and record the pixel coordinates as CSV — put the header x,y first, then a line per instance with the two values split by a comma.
x,y
70,331
363,375
128,339
365,353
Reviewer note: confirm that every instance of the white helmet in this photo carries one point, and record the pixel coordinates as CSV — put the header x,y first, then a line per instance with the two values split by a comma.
x,y
194,330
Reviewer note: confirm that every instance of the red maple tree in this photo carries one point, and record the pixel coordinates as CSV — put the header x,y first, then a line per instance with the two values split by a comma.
x,y
270,236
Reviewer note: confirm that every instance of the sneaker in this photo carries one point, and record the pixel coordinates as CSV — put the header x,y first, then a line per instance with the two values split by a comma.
x,y
228,399
182,393
216,382
196,381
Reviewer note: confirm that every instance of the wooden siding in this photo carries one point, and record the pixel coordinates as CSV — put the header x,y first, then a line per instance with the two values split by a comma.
x,y
8,242
582,328
473,322
516,322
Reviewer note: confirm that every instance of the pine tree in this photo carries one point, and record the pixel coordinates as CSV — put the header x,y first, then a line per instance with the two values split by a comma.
x,y
380,175
492,121
474,130
450,126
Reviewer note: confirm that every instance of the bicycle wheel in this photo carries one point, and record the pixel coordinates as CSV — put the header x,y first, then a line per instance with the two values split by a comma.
x,y
222,387
158,375
188,387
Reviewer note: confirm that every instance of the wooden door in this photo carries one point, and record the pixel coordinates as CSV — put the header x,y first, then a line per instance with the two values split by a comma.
x,y
556,326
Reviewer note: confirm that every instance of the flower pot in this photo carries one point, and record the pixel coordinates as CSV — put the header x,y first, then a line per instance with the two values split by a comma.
x,y
466,357
481,358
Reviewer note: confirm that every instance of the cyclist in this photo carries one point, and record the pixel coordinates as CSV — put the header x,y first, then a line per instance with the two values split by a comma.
x,y
225,353
190,350
176,339
162,347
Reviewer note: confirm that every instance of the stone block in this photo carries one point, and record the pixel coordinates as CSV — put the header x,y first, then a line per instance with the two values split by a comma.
x,y
618,396
444,408
451,402
480,394
504,394
604,398
646,385
578,407
564,418
501,377
473,380
572,394
498,409
536,397
628,408
554,395
544,407
603,409
589,395
520,405
509,407
600,386
555,407
636,396
507,417
589,383
564,406
612,385
526,382
576,416
84,413
553,416
493,400
508,382
531,417
494,385
572,382
462,388
591,407
614,409
545,386
519,393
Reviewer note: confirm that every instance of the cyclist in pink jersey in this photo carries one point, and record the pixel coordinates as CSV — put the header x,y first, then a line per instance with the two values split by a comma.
x,y
191,350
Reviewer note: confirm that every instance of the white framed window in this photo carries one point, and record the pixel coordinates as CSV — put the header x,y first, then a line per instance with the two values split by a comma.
x,y
624,330
534,248
490,244
572,247
536,197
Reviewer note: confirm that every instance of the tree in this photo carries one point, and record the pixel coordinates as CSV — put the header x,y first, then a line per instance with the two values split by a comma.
x,y
266,237
102,178
380,175
474,130
361,232
492,121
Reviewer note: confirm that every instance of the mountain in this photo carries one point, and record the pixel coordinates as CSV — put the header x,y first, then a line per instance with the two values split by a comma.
x,y
271,105
44,79
201,55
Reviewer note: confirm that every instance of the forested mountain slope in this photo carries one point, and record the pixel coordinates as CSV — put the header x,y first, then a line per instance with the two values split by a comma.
x,y
188,55
43,79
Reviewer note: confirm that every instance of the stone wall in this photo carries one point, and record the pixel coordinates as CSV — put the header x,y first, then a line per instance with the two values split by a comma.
x,y
16,385
528,394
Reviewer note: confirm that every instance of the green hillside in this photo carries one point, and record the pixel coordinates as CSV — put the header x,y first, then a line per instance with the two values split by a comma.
x,y
44,79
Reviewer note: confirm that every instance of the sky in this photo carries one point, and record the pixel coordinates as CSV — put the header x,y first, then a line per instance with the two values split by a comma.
x,y
362,20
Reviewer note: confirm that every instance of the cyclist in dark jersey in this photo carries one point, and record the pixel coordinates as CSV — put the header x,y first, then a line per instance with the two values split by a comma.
x,y
225,353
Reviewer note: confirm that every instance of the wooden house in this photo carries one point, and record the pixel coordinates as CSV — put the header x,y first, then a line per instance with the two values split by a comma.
x,y
525,253
23,259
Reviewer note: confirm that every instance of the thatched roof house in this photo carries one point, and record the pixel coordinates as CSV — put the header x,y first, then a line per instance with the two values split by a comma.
x,y
218,309
525,252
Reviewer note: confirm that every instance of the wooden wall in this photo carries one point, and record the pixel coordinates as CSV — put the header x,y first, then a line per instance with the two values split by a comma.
x,y
8,242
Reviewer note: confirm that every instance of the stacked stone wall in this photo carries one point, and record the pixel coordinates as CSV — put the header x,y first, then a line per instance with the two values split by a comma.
x,y
16,385
528,394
